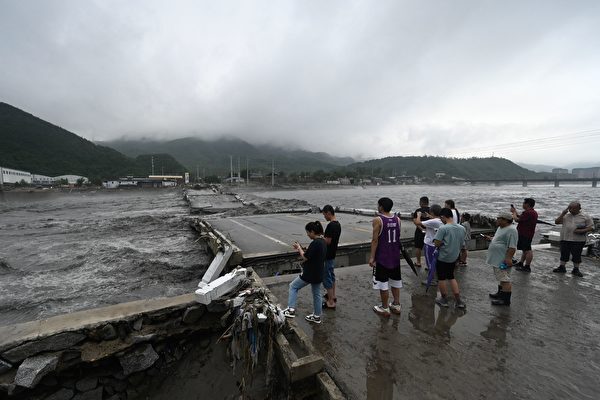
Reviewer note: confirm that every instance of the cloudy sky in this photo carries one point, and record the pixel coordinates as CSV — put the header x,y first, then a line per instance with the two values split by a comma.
x,y
519,79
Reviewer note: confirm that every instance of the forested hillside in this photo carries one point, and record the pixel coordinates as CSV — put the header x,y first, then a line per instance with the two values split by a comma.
x,y
32,144
426,166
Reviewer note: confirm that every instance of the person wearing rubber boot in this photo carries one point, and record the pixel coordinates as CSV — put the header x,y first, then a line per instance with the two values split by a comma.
x,y
573,235
499,256
385,257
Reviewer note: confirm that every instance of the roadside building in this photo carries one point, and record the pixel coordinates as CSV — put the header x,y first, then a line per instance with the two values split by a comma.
x,y
72,179
11,176
234,179
42,180
587,172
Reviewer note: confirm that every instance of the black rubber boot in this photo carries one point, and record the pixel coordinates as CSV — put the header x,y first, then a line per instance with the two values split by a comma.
x,y
497,294
503,300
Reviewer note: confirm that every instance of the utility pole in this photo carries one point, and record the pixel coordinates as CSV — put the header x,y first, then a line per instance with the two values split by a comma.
x,y
239,171
230,169
152,158
272,172
247,173
197,173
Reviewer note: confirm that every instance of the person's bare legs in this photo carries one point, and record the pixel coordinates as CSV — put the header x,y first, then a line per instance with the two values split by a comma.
x,y
528,257
331,297
418,253
396,295
385,296
454,287
443,289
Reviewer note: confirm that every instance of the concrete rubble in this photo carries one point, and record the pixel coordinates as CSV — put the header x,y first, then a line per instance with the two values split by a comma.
x,y
53,343
138,359
33,369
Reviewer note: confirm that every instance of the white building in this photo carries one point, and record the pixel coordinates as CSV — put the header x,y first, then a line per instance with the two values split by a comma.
x,y
12,176
72,179
235,179
42,180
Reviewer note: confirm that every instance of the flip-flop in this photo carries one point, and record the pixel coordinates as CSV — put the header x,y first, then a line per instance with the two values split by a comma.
x,y
325,306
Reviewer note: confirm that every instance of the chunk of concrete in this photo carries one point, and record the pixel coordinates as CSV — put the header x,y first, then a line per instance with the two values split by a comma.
x,y
4,366
139,359
62,394
86,384
95,394
220,287
53,343
216,266
33,369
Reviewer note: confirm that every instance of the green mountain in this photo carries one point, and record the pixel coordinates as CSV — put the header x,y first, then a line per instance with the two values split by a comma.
x,y
32,144
427,167
212,156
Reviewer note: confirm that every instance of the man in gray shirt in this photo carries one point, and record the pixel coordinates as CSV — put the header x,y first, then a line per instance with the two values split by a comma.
x,y
448,239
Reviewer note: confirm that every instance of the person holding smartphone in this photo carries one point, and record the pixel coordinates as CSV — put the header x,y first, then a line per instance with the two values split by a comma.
x,y
312,272
526,223
573,235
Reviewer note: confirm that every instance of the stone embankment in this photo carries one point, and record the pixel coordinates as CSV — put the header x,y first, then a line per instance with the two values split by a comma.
x,y
105,353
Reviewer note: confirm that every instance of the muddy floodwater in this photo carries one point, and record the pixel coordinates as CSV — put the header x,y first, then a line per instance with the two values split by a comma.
x,y
61,252
545,346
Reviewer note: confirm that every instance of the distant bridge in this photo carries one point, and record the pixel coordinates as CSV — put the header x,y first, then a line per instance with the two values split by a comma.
x,y
526,181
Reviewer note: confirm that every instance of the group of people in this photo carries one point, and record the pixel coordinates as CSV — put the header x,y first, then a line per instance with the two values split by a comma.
x,y
441,237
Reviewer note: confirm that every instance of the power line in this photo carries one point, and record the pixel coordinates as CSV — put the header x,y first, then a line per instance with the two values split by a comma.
x,y
535,144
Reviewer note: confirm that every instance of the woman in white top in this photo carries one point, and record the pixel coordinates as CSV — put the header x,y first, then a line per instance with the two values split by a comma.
x,y
455,214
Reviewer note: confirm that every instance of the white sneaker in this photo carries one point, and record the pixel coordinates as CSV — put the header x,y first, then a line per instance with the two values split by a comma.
x,y
396,308
289,312
315,319
381,311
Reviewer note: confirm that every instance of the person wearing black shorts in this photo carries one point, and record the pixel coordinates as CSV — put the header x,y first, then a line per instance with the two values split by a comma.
x,y
419,233
448,239
527,221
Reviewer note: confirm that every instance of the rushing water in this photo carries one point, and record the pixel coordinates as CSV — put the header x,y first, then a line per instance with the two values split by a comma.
x,y
61,252
487,200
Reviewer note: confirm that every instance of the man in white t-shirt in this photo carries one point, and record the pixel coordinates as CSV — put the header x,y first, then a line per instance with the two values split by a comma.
x,y
573,235
431,226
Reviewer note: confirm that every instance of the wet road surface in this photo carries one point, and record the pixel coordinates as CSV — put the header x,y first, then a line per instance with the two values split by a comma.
x,y
545,346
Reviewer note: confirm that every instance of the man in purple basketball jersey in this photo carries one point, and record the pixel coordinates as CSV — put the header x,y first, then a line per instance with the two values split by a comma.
x,y
385,257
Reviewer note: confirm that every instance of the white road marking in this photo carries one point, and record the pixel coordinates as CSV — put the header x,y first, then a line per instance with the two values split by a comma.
x,y
260,233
